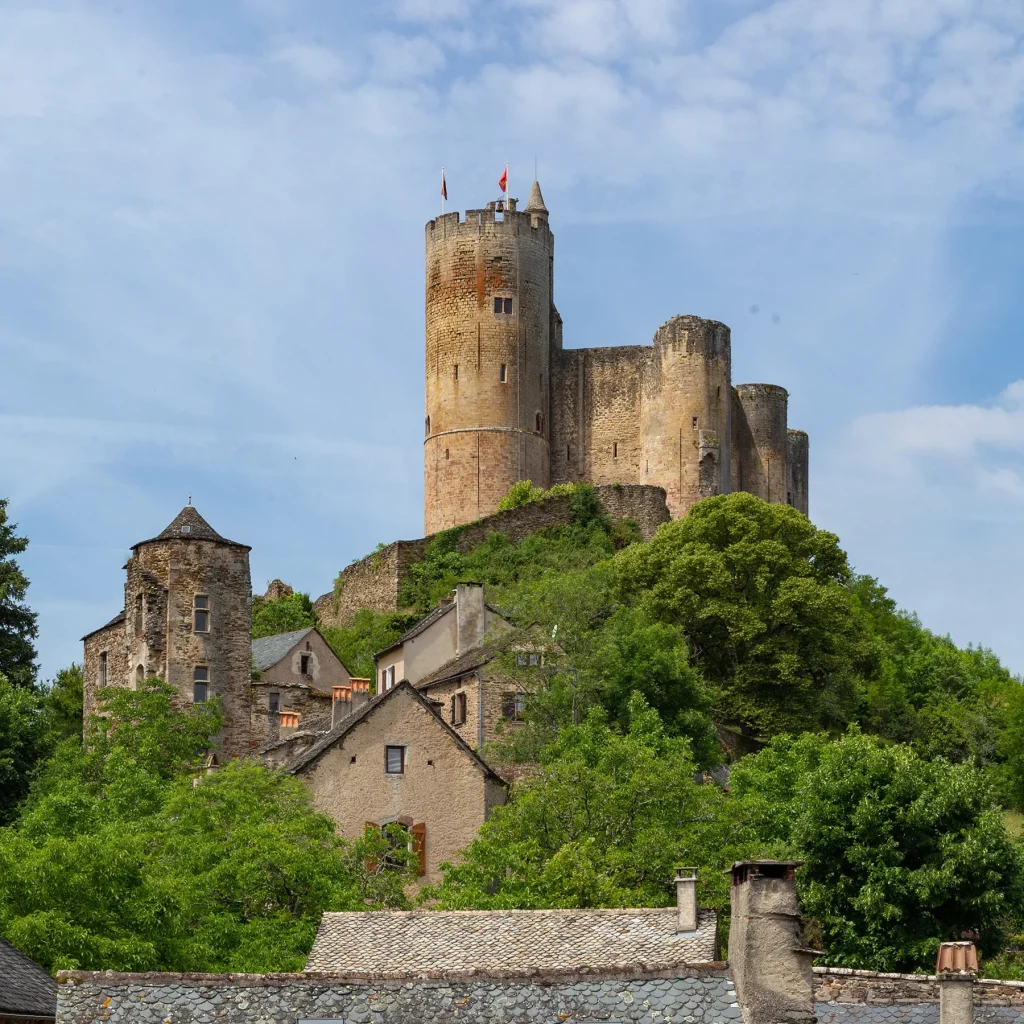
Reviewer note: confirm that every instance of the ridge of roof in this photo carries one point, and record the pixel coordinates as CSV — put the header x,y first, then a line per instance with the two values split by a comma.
x,y
27,989
475,657
347,724
188,524
428,620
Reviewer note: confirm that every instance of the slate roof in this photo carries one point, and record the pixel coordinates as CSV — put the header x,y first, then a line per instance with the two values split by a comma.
x,y
508,942
188,524
119,617
428,620
307,757
269,650
458,666
25,988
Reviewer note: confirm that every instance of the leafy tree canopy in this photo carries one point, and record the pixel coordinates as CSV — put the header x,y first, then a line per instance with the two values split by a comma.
x,y
369,633
271,616
130,856
18,627
900,853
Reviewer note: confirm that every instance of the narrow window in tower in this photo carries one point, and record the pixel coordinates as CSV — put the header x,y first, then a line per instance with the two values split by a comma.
x,y
446,455
427,426
201,614
718,393
615,449
694,423
497,305
508,305
140,674
138,613
540,422
200,684
647,466
503,374
568,453
456,371
103,668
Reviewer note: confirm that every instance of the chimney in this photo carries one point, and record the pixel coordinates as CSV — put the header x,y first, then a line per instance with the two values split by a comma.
x,y
686,899
956,969
771,969
472,617
289,723
360,691
341,703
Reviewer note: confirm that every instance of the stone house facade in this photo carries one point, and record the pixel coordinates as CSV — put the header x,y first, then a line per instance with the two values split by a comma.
x,y
452,656
506,402
187,620
513,966
293,672
396,760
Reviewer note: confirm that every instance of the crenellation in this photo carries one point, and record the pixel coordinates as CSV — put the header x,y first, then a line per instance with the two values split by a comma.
x,y
664,414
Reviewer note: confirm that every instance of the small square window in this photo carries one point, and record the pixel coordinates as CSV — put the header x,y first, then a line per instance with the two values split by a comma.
x,y
186,529
503,374
394,760
534,659
508,305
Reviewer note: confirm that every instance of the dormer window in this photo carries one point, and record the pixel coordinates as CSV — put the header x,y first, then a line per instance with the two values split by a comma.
x,y
201,614
186,529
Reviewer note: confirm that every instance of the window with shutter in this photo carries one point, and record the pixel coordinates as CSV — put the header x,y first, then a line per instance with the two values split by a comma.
x,y
419,847
508,705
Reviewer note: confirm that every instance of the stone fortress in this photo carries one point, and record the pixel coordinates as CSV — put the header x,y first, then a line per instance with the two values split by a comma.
x,y
506,402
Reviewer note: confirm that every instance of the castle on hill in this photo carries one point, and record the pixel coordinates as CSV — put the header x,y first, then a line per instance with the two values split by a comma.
x,y
506,402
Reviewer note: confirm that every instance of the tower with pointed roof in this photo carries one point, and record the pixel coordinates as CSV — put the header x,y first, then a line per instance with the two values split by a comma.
x,y
491,326
187,619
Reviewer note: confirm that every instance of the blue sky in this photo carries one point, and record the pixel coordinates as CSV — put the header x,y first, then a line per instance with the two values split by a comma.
x,y
211,260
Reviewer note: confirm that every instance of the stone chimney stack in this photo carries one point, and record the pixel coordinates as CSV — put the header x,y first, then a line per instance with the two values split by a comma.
x,y
289,723
686,899
472,616
956,969
771,969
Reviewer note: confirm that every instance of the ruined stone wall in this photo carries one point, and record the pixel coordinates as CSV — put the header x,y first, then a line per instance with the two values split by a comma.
x,y
695,995
374,581
487,371
110,640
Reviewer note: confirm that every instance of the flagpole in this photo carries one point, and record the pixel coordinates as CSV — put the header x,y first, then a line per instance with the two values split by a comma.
x,y
442,191
508,191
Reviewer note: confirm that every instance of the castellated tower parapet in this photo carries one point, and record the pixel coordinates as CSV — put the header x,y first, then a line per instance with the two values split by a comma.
x,y
506,402
489,321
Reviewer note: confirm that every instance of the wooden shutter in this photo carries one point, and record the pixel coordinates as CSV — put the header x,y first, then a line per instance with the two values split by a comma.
x,y
453,709
370,863
508,705
419,847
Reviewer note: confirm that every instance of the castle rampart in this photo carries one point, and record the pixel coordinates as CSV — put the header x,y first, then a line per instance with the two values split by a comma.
x,y
506,402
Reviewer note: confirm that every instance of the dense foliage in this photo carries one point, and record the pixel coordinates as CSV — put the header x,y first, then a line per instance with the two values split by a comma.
x,y
284,614
131,856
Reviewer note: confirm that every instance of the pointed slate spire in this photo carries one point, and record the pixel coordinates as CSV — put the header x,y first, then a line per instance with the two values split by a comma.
x,y
535,204
188,524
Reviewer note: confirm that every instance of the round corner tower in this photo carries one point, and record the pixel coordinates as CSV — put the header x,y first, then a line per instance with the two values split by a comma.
x,y
488,348
188,619
761,442
685,411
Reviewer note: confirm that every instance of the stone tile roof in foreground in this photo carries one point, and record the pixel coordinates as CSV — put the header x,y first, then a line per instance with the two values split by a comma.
x,y
508,943
25,988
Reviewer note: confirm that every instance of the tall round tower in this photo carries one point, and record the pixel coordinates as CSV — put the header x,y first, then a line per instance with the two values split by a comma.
x,y
761,443
488,343
685,410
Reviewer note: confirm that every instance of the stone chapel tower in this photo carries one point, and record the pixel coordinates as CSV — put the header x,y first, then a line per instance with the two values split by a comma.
x,y
490,329
187,619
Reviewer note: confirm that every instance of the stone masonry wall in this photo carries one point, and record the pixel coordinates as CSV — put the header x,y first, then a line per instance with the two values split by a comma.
x,y
694,995
374,581
872,988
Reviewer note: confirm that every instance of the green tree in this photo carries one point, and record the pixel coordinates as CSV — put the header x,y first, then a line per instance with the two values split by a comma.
x,y
761,597
368,633
21,743
899,853
130,855
281,614
62,706
18,629
604,823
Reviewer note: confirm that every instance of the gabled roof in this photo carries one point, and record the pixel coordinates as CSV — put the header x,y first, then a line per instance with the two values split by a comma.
x,y
428,620
25,988
267,651
460,665
119,617
346,725
509,942
188,524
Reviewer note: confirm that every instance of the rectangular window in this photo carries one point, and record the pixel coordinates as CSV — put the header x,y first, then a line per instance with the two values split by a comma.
x,y
394,760
497,305
694,423
508,305
200,684
304,664
456,371
103,668
534,659
391,676
503,374
201,614
458,708
138,613
615,449
512,705
274,701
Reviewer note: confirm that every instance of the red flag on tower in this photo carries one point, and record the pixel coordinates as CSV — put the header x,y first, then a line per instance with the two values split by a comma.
x,y
444,187
503,180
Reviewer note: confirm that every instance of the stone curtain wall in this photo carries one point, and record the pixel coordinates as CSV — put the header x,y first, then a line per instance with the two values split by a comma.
x,y
700,997
374,581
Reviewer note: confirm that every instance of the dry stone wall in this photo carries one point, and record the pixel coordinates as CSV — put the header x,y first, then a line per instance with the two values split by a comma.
x,y
697,997
374,581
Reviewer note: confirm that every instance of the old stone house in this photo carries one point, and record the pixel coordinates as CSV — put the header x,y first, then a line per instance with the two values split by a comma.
x,y
28,994
294,672
548,966
452,657
394,759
